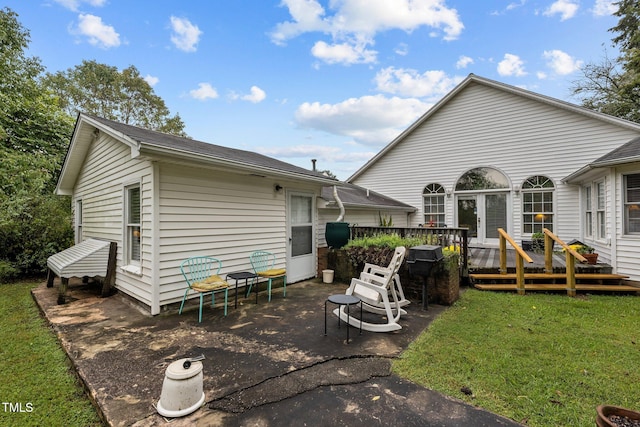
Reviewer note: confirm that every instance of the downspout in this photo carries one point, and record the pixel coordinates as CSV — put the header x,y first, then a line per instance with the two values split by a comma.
x,y
613,236
339,202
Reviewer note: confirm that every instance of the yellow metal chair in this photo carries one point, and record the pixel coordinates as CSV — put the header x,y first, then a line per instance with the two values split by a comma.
x,y
201,274
263,264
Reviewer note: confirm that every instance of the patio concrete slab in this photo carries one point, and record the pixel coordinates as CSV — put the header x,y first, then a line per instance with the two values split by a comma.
x,y
266,364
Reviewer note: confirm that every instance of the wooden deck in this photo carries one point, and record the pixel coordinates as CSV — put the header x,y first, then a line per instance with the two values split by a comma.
x,y
487,260
484,266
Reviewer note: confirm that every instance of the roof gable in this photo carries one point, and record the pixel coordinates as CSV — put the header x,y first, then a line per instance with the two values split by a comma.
x,y
153,144
476,80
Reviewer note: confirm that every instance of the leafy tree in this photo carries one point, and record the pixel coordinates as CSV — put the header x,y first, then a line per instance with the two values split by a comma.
x,y
613,86
104,91
34,134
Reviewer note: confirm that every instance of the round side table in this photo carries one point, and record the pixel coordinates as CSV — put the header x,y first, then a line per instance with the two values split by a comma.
x,y
340,300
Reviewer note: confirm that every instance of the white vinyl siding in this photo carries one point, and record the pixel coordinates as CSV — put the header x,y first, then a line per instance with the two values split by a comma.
x,y
485,127
101,189
227,216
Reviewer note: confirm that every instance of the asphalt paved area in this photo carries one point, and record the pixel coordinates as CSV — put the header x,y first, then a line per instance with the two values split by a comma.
x,y
266,364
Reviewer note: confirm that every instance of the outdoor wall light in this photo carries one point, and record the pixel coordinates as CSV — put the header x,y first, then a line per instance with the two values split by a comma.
x,y
448,192
278,187
516,189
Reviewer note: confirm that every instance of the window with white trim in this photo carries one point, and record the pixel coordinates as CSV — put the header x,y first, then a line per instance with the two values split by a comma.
x,y
632,204
78,218
588,212
601,224
132,225
433,205
537,204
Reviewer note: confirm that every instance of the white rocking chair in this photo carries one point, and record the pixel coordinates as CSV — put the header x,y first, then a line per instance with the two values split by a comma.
x,y
377,290
383,271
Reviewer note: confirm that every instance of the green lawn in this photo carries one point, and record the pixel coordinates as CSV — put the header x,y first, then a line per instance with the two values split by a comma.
x,y
38,387
543,360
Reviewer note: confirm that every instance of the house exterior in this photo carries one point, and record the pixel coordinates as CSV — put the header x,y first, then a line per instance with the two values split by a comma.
x,y
490,155
362,207
164,198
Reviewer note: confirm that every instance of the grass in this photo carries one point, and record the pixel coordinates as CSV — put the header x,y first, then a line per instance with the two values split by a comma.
x,y
38,386
538,359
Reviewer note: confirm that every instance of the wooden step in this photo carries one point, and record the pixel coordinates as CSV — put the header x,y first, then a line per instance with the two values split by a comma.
x,y
544,276
555,287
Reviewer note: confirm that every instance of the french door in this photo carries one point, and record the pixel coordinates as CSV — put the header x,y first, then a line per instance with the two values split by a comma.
x,y
483,214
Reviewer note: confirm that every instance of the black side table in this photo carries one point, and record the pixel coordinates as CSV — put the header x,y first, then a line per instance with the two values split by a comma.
x,y
240,275
340,300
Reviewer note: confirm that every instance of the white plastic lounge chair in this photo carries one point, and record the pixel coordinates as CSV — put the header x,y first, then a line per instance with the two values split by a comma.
x,y
378,295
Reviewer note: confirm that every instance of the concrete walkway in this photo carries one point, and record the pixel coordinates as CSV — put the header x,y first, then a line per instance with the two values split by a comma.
x,y
266,365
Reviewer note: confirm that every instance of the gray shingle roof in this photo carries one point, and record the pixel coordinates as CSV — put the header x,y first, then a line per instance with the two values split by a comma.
x,y
353,195
627,152
178,144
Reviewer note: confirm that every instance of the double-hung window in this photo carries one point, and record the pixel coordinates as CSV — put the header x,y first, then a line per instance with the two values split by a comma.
x,y
433,203
588,212
537,204
632,204
132,225
78,217
601,224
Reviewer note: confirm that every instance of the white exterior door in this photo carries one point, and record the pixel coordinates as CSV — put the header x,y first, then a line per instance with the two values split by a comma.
x,y
301,253
483,214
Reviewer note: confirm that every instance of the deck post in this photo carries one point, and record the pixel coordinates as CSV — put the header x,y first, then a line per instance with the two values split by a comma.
x,y
62,291
520,274
571,275
110,278
503,255
548,254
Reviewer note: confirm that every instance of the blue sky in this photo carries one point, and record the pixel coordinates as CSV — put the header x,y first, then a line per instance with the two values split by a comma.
x,y
331,80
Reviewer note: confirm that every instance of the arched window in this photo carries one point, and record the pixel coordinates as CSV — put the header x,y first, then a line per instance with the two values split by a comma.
x,y
482,179
433,204
537,204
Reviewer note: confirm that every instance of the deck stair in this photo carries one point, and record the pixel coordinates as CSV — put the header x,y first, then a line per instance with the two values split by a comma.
x,y
605,282
545,273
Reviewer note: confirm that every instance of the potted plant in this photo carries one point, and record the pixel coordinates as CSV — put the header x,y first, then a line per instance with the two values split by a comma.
x,y
589,253
614,416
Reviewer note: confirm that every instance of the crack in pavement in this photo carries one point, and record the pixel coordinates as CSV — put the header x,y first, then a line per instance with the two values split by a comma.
x,y
331,372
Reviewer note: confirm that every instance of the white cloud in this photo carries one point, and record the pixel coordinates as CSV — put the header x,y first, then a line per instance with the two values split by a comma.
x,y
408,82
370,120
343,53
561,62
185,35
151,80
356,22
205,91
464,61
98,33
402,49
256,95
511,65
565,8
604,8
75,4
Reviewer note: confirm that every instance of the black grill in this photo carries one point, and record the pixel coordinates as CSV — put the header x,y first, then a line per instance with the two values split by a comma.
x,y
420,261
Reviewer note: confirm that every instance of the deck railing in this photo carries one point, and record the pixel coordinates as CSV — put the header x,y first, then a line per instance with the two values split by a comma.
x,y
441,236
570,254
522,256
